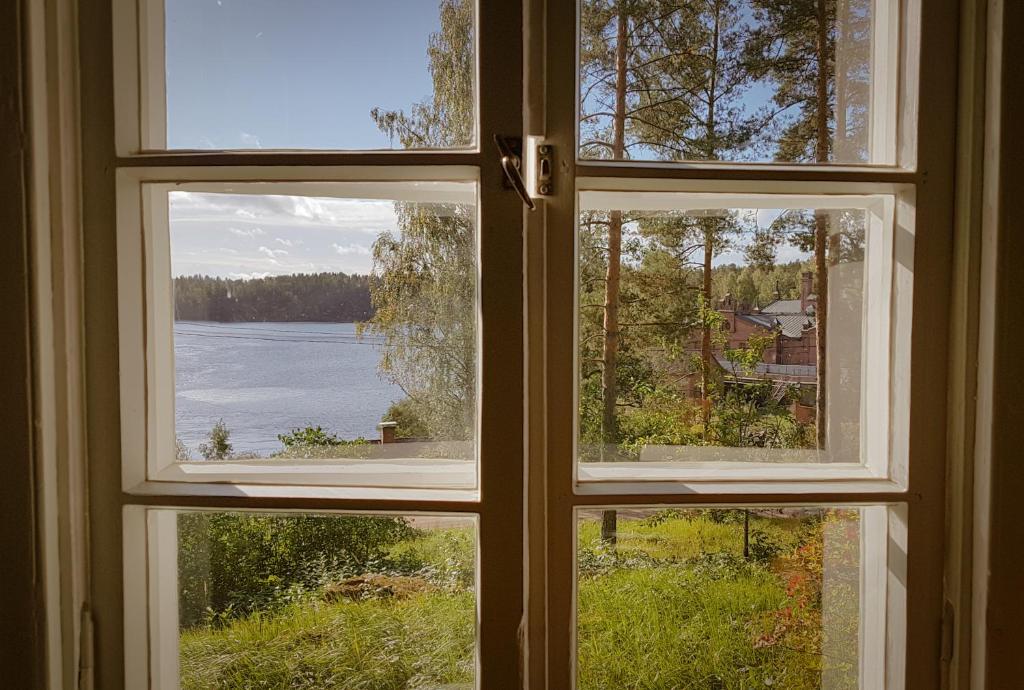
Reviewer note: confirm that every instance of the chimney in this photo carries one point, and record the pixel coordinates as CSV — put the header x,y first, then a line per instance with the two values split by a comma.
x,y
387,431
806,287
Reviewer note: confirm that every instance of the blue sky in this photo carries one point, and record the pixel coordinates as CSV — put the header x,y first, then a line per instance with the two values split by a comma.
x,y
292,73
286,74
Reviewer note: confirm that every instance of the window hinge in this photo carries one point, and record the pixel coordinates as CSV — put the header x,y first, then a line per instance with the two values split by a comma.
x,y
85,649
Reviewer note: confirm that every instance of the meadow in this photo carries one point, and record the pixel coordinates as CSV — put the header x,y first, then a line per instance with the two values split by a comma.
x,y
675,603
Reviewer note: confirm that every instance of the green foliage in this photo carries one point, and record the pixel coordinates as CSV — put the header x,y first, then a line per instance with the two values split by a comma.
x,y
217,446
446,119
328,297
675,605
406,414
424,291
235,563
425,641
309,436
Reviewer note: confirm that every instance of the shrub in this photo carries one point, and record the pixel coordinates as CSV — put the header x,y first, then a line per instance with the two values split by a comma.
x,y
316,442
235,563
217,447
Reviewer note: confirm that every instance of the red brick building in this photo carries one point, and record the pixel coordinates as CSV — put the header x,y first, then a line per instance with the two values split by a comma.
x,y
790,320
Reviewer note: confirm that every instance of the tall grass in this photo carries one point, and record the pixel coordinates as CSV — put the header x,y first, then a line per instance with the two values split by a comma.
x,y
674,606
380,644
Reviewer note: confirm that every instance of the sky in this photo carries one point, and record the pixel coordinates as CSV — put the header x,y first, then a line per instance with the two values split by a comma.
x,y
286,74
292,73
254,236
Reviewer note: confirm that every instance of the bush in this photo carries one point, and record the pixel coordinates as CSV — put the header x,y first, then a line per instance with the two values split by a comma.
x,y
316,442
218,447
410,422
230,564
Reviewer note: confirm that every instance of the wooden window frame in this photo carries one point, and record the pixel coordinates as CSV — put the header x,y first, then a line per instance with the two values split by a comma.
x,y
125,523
548,506
925,175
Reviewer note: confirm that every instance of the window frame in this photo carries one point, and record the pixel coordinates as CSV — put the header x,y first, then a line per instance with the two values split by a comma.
x,y
551,499
145,301
925,176
116,157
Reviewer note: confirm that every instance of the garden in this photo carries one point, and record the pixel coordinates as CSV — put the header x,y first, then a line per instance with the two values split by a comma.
x,y
703,598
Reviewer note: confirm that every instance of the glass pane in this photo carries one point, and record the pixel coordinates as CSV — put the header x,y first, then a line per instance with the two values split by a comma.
x,y
699,334
321,601
327,325
726,598
319,74
735,80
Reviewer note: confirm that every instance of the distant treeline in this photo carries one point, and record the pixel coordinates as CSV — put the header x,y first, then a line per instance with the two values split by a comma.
x,y
333,297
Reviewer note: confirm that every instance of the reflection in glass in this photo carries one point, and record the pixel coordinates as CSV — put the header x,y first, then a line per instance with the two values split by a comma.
x,y
720,598
323,601
728,80
700,334
319,74
326,328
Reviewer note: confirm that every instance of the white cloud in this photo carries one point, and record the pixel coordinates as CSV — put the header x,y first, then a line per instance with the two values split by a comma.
x,y
250,141
272,253
251,233
250,276
287,243
351,249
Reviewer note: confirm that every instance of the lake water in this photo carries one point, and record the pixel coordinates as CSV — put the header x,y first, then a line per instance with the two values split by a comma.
x,y
264,379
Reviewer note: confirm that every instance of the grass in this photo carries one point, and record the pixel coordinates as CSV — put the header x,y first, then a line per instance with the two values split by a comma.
x,y
424,641
674,606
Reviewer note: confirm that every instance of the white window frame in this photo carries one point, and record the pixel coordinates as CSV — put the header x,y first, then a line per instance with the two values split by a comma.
x,y
138,648
901,600
151,622
145,308
883,293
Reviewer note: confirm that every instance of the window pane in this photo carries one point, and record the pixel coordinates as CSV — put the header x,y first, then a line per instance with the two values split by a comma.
x,y
699,334
728,598
736,80
319,74
321,601
328,326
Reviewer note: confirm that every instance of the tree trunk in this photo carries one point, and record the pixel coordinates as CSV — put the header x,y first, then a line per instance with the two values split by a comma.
x,y
609,356
709,236
821,228
705,336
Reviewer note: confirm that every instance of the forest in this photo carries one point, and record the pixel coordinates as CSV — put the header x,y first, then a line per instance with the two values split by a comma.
x,y
325,297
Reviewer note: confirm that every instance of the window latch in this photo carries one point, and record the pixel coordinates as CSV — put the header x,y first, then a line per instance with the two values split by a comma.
x,y
510,149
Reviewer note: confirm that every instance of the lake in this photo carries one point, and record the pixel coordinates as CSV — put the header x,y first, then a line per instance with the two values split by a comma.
x,y
264,379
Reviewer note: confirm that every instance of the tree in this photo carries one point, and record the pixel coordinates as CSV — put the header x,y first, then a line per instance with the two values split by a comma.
x,y
796,45
661,77
422,290
218,445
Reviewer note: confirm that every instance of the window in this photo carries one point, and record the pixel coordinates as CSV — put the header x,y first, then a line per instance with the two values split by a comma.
x,y
381,426
319,343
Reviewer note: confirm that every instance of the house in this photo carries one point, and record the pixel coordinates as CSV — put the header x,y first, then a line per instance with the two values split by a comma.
x,y
791,320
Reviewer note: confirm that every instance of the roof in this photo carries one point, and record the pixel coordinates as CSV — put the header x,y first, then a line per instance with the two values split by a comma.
x,y
783,306
793,325
790,325
794,372
762,320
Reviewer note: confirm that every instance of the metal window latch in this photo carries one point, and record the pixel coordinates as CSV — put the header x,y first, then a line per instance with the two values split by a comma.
x,y
545,170
512,163
538,165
